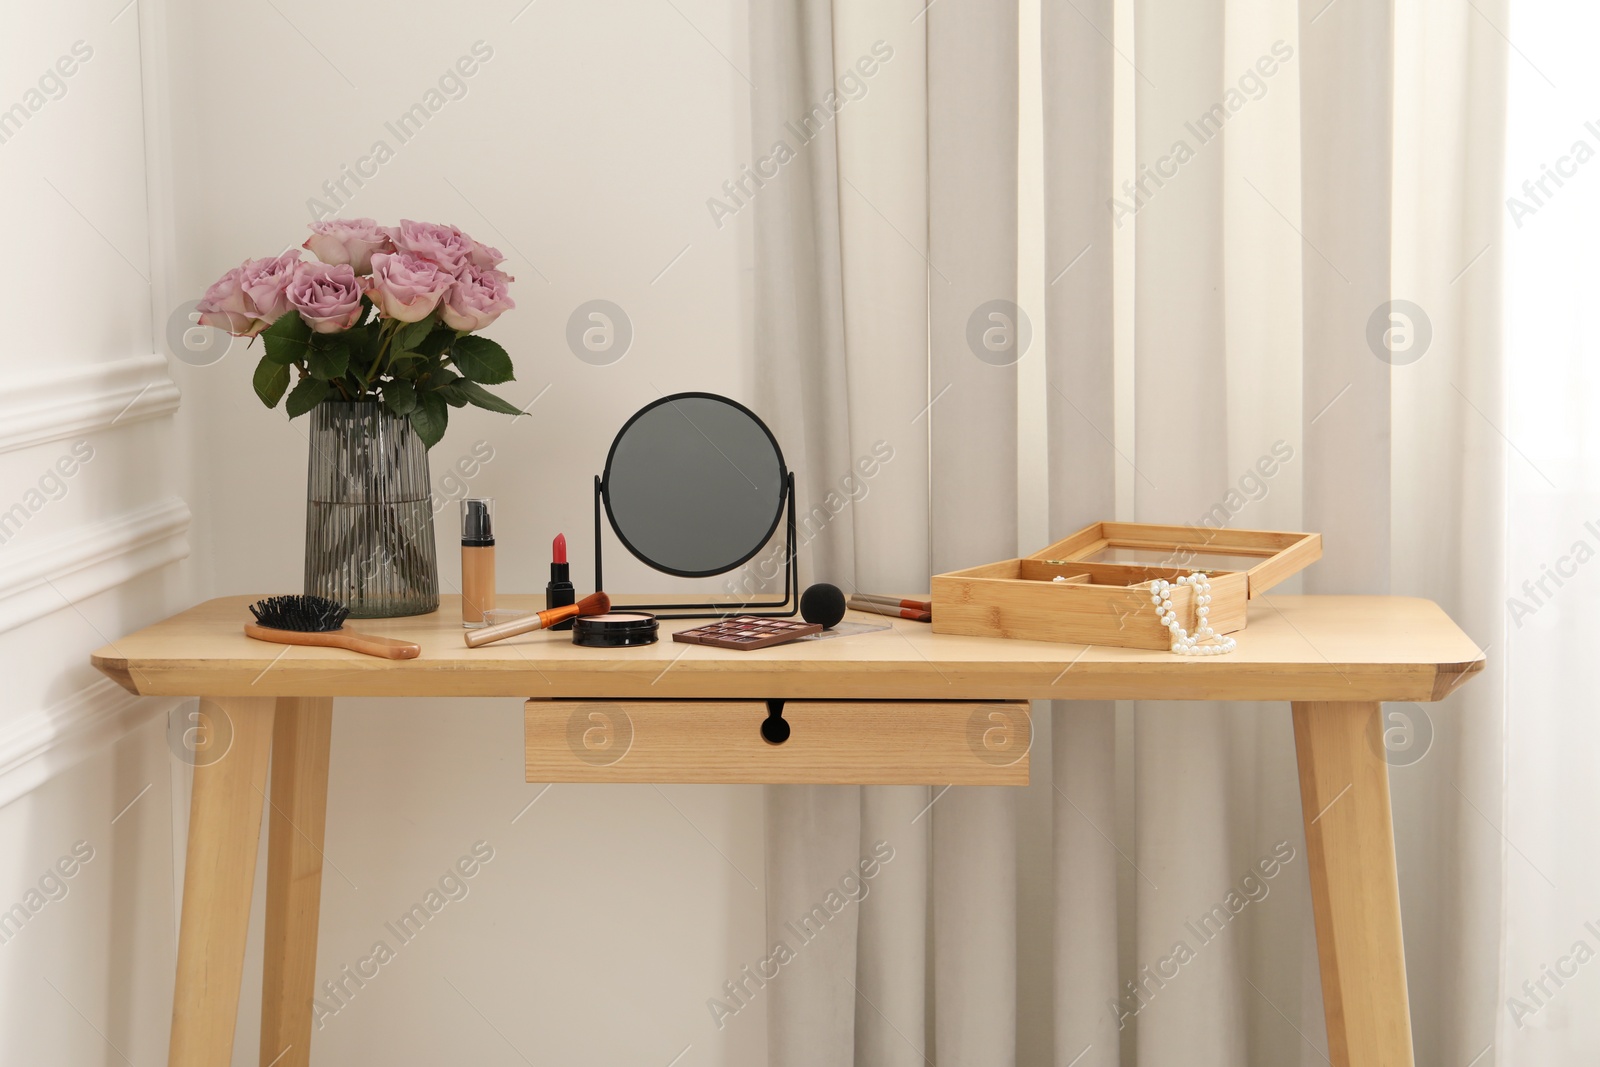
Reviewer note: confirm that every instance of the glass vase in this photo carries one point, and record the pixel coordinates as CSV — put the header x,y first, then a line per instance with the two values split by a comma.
x,y
369,512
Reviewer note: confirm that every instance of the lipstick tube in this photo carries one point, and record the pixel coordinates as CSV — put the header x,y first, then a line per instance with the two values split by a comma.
x,y
477,561
559,591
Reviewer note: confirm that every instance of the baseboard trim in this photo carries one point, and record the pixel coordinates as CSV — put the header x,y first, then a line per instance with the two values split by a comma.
x,y
90,559
45,743
85,398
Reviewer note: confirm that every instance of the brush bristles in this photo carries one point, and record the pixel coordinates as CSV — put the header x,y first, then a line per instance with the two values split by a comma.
x,y
594,604
305,613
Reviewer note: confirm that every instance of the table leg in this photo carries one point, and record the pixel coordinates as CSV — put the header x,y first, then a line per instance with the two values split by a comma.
x,y
1355,894
232,742
295,827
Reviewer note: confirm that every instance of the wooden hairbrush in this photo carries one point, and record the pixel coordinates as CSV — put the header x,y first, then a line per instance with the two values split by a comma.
x,y
316,620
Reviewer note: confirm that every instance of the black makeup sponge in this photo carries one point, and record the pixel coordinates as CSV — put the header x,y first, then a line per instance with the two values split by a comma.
x,y
822,603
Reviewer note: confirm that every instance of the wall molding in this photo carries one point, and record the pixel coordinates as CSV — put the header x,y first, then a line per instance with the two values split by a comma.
x,y
44,743
90,559
84,398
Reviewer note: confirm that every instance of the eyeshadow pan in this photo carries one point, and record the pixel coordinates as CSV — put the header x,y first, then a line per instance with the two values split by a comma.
x,y
745,632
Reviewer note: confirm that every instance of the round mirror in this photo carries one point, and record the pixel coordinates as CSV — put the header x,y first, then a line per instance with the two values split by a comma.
x,y
694,484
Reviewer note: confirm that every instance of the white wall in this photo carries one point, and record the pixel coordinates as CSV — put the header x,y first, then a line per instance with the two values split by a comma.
x,y
92,529
584,148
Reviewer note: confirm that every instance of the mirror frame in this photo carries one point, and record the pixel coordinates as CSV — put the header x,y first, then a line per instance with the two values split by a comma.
x,y
777,513
786,608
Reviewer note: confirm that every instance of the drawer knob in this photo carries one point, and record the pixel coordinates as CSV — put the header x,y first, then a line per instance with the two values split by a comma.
x,y
775,728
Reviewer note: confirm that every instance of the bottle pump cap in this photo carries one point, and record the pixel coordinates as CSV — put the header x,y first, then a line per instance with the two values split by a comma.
x,y
477,522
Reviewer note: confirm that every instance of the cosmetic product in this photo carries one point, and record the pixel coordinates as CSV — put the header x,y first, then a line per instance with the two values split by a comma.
x,y
616,629
316,620
477,560
878,608
593,604
746,632
893,602
559,592
822,604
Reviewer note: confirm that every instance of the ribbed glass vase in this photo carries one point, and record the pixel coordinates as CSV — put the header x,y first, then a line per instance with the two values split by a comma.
x,y
369,512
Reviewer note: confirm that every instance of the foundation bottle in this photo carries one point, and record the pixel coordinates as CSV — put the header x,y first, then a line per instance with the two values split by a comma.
x,y
477,561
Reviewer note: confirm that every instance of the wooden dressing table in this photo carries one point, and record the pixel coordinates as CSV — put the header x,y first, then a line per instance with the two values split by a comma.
x,y
899,706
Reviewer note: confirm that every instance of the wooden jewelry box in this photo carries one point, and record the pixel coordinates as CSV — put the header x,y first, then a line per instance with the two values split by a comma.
x,y
1105,595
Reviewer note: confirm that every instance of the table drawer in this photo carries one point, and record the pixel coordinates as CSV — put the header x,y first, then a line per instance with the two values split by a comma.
x,y
889,742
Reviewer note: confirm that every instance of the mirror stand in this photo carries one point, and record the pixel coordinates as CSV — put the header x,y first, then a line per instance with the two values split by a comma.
x,y
786,608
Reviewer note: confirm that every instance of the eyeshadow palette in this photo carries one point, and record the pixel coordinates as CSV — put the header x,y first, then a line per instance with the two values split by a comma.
x,y
746,632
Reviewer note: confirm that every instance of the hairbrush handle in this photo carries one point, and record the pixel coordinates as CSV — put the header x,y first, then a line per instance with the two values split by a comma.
x,y
541,620
353,640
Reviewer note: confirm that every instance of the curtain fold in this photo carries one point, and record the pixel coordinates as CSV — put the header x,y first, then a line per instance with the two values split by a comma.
x,y
1184,758
1078,86
799,314
1451,513
1346,134
1260,184
973,345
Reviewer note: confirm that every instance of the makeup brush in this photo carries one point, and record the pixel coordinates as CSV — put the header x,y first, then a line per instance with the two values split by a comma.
x,y
892,602
878,607
593,604
316,620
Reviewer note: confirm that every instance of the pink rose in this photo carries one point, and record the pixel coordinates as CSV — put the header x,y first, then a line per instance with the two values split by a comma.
x,y
327,296
226,307
250,297
476,299
349,241
444,245
264,282
484,257
406,287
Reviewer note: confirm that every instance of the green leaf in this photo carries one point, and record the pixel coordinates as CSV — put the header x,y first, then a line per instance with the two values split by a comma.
x,y
430,417
409,336
481,397
287,340
307,394
482,360
437,343
400,397
371,342
270,381
329,360
453,395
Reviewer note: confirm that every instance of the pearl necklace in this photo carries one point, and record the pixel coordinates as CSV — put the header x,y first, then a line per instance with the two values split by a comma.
x,y
1183,642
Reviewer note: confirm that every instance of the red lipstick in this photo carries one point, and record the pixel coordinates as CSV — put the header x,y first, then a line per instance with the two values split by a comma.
x,y
559,592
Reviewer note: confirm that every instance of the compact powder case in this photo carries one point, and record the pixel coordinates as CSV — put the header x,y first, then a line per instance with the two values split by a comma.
x,y
615,629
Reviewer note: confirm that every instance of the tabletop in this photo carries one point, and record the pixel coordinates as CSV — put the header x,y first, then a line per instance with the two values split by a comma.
x,y
1294,648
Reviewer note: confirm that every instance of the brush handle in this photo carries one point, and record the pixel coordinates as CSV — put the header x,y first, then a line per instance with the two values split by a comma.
x,y
856,604
892,602
355,641
541,620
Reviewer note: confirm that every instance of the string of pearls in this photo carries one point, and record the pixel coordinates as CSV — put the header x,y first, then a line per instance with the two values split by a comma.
x,y
1183,642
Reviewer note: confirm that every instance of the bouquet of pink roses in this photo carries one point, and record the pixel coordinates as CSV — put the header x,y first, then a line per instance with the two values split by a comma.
x,y
387,315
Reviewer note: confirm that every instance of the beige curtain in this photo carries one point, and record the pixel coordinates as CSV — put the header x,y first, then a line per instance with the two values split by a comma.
x,y
1225,214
